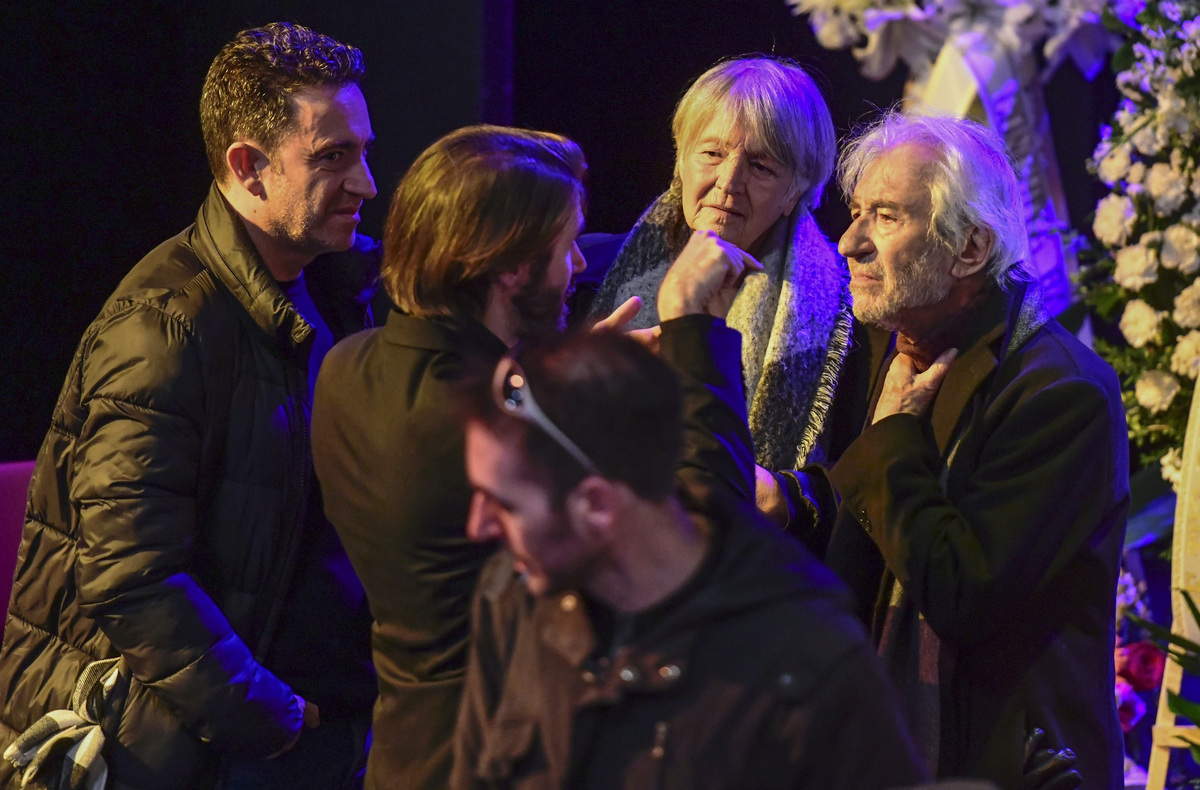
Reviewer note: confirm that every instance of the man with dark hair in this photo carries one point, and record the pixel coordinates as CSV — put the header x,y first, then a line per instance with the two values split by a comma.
x,y
479,252
179,596
646,628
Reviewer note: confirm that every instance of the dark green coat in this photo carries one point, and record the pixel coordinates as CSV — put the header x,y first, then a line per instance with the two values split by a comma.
x,y
1002,515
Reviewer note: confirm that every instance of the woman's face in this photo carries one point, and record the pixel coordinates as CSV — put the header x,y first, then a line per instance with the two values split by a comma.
x,y
732,187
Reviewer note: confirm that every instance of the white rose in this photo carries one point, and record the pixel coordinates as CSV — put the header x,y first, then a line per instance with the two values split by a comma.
x,y
1172,110
1187,307
1127,115
1114,220
1155,389
1115,165
1179,249
1185,359
1137,265
1167,186
1172,467
1146,140
1137,171
1139,323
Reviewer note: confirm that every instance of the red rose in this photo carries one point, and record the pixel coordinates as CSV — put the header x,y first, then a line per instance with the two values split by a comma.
x,y
1141,663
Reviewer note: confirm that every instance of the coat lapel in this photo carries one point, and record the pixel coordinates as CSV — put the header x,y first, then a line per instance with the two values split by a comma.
x,y
965,376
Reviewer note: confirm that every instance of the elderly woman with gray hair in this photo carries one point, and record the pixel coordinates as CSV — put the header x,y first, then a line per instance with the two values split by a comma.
x,y
754,147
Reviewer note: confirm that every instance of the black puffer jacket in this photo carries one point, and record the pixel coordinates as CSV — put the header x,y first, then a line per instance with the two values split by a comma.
x,y
165,511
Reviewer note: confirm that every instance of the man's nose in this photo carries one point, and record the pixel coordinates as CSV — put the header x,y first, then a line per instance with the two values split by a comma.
x,y
481,525
855,242
578,262
361,182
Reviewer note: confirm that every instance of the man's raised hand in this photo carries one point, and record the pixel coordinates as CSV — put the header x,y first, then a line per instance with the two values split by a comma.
x,y
905,389
617,319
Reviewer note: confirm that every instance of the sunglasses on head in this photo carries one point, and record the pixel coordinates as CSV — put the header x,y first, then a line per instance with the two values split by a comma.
x,y
510,389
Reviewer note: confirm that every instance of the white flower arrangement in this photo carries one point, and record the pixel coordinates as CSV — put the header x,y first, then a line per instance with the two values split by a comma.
x,y
1140,323
1137,265
884,32
1155,390
1148,228
1181,249
1185,359
1114,219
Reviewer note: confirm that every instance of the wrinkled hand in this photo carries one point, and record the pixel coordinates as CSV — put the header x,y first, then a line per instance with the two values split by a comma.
x,y
617,319
705,277
905,390
311,716
1047,769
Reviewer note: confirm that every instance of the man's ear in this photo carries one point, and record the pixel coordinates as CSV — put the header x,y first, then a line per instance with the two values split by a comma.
x,y
246,162
975,253
510,283
594,506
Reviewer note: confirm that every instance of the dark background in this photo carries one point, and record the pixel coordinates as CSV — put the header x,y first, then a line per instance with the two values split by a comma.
x,y
103,158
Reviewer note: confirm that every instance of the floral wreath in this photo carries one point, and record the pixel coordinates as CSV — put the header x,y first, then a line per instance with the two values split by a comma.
x,y
1147,226
883,32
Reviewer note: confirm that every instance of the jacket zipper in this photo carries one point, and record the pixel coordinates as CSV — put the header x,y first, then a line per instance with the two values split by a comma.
x,y
292,553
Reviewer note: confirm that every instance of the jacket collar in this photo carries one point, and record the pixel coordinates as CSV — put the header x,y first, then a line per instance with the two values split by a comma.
x,y
466,336
749,568
648,665
1006,318
224,247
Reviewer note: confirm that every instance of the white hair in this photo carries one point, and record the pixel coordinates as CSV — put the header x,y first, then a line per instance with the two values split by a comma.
x,y
973,185
778,105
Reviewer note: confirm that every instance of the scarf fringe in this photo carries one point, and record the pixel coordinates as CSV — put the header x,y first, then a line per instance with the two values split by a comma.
x,y
839,346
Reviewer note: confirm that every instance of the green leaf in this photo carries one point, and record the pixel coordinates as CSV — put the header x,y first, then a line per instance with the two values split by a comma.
x,y
1123,58
1163,634
1191,606
1113,22
1189,662
1183,707
1107,299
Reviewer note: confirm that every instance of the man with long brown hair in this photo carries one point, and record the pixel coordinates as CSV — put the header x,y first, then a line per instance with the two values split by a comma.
x,y
479,251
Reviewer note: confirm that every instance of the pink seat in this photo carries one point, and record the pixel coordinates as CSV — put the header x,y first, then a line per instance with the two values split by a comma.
x,y
14,489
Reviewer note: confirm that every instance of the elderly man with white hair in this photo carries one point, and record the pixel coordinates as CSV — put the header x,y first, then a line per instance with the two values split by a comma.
x,y
979,506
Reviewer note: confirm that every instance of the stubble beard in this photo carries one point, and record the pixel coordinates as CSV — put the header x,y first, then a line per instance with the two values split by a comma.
x,y
296,224
919,287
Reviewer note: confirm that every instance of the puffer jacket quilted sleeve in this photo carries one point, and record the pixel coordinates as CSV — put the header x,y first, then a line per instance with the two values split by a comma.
x,y
138,456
